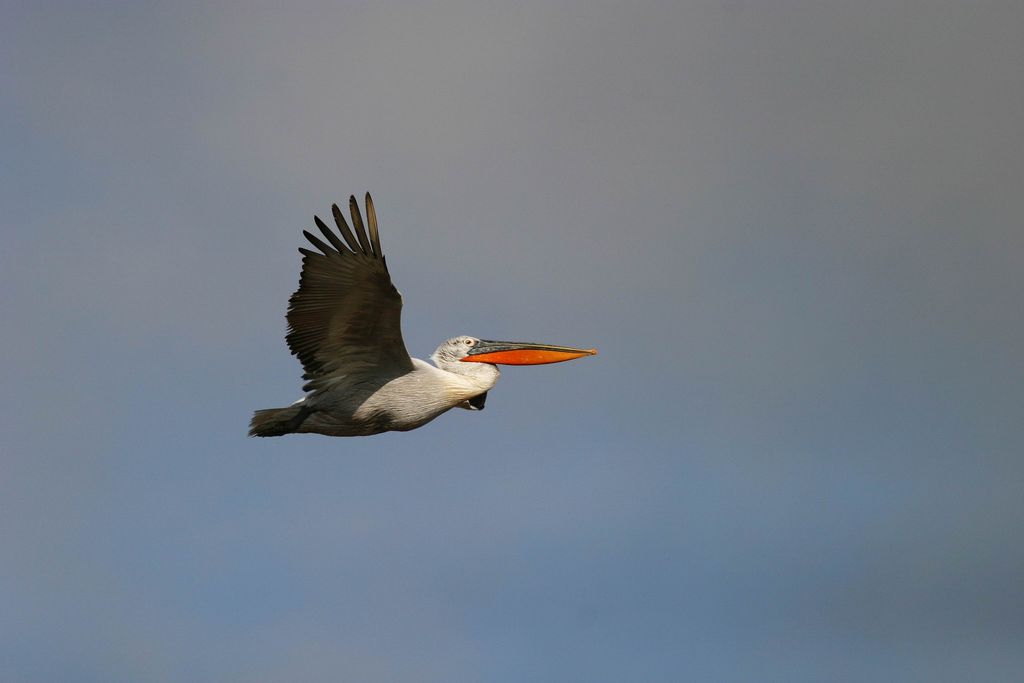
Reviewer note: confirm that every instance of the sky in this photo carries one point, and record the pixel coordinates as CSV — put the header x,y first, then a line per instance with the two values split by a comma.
x,y
792,229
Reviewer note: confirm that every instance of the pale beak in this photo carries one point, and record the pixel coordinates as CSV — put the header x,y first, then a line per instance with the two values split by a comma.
x,y
522,353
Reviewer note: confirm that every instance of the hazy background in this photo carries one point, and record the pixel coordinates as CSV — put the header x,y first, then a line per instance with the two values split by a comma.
x,y
795,231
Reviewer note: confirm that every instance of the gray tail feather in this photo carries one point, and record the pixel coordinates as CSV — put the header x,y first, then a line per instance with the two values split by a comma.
x,y
278,421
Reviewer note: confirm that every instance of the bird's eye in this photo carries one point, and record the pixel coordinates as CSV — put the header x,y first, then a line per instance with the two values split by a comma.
x,y
469,342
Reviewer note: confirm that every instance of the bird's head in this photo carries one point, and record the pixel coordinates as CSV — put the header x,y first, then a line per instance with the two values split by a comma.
x,y
454,349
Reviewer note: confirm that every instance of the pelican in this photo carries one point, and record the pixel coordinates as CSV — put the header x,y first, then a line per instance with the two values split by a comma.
x,y
344,326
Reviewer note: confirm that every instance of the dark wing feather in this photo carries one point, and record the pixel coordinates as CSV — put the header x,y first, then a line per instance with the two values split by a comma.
x,y
345,318
357,225
338,244
371,218
339,220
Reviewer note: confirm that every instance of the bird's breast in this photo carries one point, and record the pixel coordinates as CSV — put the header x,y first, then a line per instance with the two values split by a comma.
x,y
412,400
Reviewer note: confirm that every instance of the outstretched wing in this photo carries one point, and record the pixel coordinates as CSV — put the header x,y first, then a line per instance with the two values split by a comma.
x,y
344,321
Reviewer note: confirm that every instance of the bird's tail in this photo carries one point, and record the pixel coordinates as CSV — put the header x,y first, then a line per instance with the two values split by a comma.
x,y
278,421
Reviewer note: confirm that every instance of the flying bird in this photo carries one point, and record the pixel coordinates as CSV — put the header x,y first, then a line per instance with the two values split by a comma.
x,y
344,325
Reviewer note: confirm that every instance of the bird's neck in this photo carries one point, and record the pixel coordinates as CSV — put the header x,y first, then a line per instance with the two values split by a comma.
x,y
482,375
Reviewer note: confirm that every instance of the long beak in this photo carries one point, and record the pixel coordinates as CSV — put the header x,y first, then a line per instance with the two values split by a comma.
x,y
522,353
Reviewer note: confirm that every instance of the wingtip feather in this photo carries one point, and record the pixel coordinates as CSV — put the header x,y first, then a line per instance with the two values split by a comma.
x,y
371,218
329,234
357,225
346,232
317,242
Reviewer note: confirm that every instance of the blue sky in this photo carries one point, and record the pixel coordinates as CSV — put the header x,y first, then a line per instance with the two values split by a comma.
x,y
792,229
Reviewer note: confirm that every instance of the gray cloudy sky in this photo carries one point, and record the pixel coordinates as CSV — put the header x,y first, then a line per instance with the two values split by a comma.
x,y
793,230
